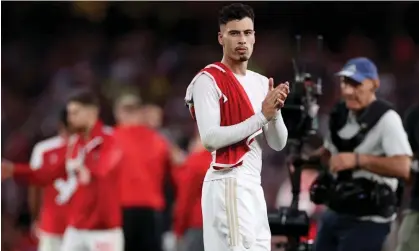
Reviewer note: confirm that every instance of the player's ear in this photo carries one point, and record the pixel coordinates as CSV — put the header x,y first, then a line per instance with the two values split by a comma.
x,y
220,38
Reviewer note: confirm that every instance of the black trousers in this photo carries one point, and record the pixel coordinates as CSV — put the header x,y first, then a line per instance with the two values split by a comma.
x,y
344,233
142,229
193,240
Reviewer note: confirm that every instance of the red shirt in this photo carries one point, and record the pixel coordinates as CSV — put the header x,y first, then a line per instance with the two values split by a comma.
x,y
144,164
188,212
53,212
94,205
236,110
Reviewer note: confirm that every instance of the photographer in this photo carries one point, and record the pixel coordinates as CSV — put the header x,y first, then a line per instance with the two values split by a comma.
x,y
409,230
367,150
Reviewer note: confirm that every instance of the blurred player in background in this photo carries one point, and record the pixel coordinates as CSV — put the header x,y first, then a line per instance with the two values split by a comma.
x,y
153,116
145,163
94,217
95,222
233,105
52,220
188,211
49,205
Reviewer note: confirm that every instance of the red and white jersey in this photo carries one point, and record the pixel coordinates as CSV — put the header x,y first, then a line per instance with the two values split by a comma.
x,y
55,195
96,204
206,96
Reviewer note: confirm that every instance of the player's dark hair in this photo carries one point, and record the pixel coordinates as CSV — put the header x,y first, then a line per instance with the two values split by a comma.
x,y
86,98
235,11
63,117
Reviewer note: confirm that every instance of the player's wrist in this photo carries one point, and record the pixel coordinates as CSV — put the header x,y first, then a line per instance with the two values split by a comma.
x,y
277,115
262,118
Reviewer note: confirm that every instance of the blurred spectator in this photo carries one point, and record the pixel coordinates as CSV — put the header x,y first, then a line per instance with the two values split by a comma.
x,y
145,162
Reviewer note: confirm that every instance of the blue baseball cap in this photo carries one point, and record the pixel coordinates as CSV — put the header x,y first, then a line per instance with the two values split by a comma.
x,y
359,69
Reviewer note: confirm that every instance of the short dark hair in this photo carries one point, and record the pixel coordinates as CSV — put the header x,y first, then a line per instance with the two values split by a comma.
x,y
87,98
235,11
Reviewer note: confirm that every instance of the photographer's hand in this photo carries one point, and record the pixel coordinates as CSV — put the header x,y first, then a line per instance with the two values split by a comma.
x,y
342,161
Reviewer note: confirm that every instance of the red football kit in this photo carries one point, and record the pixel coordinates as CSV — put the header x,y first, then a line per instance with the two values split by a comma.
x,y
53,212
95,205
52,219
143,166
188,211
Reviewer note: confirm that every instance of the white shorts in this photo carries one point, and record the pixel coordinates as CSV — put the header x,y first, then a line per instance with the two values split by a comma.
x,y
93,240
49,242
235,216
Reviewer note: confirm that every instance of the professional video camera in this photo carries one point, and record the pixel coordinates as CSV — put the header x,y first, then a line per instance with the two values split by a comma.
x,y
300,116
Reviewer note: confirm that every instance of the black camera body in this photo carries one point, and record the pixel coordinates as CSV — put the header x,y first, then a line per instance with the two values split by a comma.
x,y
290,221
300,109
321,190
357,197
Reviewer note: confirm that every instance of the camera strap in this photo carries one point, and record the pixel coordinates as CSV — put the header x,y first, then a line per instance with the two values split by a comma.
x,y
366,119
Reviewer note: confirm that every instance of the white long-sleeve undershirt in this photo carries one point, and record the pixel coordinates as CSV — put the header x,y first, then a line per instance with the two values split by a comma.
x,y
207,112
276,133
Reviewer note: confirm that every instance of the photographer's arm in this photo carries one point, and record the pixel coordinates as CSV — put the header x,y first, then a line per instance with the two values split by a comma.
x,y
396,147
394,166
276,133
207,112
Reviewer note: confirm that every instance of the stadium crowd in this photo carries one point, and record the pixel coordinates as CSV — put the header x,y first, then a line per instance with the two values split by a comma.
x,y
52,50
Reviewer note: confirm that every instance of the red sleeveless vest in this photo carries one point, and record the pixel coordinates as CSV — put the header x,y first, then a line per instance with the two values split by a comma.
x,y
235,107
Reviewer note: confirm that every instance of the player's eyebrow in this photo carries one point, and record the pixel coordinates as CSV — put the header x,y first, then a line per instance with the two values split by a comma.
x,y
238,31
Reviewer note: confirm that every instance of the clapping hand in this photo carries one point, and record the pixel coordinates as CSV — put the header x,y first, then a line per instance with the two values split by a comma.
x,y
275,99
283,90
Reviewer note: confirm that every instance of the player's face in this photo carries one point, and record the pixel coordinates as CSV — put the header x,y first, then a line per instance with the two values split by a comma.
x,y
120,114
237,38
357,95
153,116
125,114
79,115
